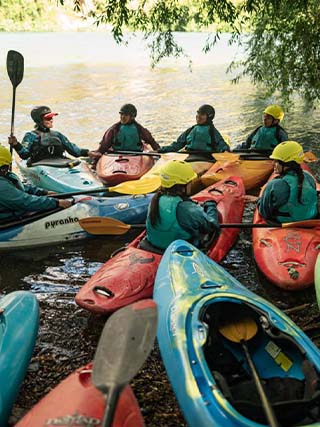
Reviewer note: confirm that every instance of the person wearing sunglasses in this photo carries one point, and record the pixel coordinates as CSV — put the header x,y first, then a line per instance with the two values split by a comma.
x,y
43,142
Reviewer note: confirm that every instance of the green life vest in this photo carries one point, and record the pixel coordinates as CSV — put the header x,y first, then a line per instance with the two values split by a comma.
x,y
265,138
48,144
167,229
199,139
128,138
293,210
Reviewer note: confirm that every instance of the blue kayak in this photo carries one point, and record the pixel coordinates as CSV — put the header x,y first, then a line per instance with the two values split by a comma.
x,y
60,175
19,322
199,305
62,225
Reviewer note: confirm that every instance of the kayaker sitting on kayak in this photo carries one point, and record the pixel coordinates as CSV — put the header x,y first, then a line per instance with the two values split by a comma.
x,y
267,137
203,136
43,143
17,199
127,134
173,215
292,196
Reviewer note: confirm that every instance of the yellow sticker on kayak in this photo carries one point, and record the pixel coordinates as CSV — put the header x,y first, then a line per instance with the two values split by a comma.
x,y
278,356
283,361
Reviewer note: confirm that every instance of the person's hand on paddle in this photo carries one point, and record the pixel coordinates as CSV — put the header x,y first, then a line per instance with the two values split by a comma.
x,y
12,140
65,203
94,155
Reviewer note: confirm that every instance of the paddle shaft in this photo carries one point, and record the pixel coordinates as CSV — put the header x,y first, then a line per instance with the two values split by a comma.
x,y
264,400
12,114
250,156
111,404
79,193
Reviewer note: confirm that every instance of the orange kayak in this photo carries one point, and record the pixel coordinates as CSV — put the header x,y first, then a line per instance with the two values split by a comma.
x,y
254,173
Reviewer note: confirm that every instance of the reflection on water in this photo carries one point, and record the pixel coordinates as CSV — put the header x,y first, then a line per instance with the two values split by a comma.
x,y
86,77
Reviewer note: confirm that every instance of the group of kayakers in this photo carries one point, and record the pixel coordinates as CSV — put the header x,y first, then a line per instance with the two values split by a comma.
x,y
290,197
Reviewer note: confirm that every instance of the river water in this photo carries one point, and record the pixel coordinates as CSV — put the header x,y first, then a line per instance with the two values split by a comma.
x,y
86,77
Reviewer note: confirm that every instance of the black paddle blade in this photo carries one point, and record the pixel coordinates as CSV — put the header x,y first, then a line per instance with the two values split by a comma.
x,y
125,343
15,67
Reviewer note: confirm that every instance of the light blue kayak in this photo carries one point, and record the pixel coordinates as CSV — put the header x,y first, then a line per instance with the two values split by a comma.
x,y
62,225
19,322
60,175
199,305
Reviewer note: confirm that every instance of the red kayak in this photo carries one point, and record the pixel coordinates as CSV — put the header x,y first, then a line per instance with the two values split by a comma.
x,y
116,168
129,275
286,256
76,402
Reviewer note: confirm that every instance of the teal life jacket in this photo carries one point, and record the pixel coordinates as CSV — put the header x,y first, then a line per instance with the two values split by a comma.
x,y
200,138
6,213
167,229
47,145
128,138
293,210
266,138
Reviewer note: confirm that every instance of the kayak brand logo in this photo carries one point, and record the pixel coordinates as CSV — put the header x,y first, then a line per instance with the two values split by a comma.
x,y
73,420
62,221
293,241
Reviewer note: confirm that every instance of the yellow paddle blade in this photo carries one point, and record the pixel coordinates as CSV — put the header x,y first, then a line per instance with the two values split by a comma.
x,y
98,225
308,223
139,186
226,157
239,330
310,157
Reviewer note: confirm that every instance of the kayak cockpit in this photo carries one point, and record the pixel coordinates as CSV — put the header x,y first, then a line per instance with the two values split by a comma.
x,y
290,380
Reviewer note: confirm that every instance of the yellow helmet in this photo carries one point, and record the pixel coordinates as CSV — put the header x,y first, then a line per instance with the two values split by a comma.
x,y
288,151
176,172
275,111
5,156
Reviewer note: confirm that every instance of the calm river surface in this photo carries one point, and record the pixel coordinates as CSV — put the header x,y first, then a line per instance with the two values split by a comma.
x,y
86,77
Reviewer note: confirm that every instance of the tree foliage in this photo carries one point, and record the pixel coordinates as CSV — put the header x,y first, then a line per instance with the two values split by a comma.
x,y
281,37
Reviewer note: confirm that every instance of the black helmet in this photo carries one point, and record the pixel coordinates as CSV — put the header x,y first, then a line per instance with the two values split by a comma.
x,y
128,109
208,110
38,112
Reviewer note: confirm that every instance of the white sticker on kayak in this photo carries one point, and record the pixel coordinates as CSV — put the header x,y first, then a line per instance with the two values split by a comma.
x,y
71,420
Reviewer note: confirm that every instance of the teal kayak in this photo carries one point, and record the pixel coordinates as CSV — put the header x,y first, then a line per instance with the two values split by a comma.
x,y
317,279
60,175
199,305
19,322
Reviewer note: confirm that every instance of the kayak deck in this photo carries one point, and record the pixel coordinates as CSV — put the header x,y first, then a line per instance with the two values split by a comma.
x,y
76,176
115,168
75,401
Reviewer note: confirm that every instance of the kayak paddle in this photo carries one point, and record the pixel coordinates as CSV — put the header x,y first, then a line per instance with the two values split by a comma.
x,y
15,68
139,186
100,225
240,331
125,343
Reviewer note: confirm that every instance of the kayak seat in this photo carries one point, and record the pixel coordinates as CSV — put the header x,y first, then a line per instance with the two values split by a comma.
x,y
147,246
56,163
293,400
285,394
200,157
